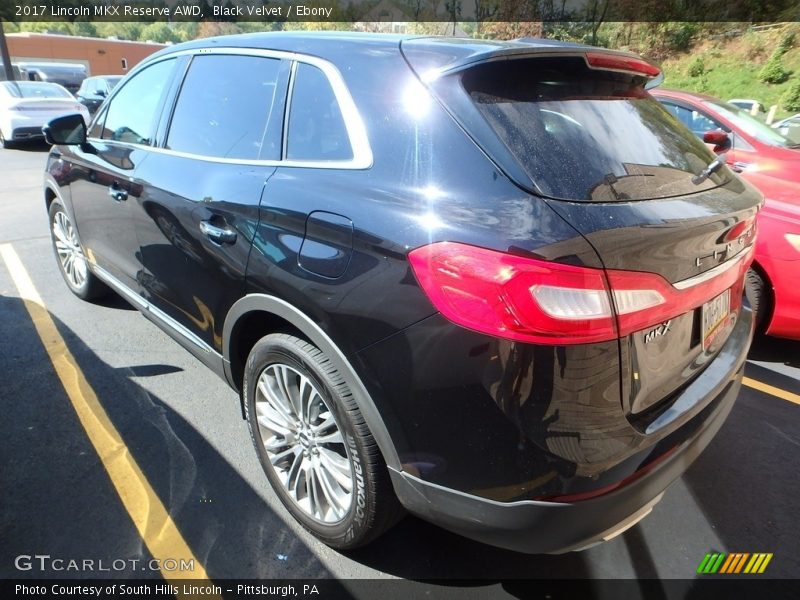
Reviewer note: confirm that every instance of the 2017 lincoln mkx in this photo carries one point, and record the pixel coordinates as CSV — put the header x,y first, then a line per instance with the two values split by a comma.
x,y
493,284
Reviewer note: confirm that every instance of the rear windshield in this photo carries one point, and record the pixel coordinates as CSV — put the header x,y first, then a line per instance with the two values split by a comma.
x,y
589,135
22,89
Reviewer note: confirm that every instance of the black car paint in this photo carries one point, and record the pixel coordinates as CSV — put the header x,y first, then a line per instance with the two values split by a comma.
x,y
494,419
93,99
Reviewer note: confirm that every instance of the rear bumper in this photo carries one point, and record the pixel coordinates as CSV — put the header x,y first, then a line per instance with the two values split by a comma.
x,y
536,526
551,527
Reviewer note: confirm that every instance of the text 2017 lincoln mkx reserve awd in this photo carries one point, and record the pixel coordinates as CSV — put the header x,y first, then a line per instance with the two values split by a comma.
x,y
493,284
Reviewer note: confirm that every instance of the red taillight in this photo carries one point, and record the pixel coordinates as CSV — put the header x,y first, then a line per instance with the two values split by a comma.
x,y
537,301
615,62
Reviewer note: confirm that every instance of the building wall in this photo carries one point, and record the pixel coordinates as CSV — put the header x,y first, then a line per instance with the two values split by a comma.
x,y
101,56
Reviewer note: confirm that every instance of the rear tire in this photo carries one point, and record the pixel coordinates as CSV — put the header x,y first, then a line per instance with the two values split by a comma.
x,y
71,261
314,445
759,298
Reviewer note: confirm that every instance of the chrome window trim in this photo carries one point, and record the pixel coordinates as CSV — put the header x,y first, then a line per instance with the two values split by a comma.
x,y
356,130
287,107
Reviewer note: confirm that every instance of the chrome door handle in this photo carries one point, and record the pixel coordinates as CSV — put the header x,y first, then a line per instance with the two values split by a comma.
x,y
216,234
116,193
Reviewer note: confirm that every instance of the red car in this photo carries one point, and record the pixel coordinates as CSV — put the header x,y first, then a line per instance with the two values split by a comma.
x,y
771,162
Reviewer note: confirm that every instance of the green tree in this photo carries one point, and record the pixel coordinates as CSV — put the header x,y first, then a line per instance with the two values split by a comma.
x,y
158,32
773,71
791,97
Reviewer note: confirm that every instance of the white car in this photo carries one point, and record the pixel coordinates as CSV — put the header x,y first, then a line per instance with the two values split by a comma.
x,y
790,127
751,106
26,106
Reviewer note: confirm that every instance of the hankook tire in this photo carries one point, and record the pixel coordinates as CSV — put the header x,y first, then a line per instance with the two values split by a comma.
x,y
314,445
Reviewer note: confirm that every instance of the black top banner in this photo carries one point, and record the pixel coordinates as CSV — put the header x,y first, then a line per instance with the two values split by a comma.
x,y
391,11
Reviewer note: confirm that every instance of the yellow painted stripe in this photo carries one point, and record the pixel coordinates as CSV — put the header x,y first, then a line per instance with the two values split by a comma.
x,y
771,390
740,564
765,563
728,562
149,515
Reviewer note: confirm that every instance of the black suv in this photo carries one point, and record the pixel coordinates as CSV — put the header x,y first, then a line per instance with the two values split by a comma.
x,y
493,283
94,90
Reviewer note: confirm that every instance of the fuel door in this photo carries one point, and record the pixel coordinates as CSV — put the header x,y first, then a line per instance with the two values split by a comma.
x,y
327,244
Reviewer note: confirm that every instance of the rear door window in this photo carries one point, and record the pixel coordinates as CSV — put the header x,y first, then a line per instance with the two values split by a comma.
x,y
224,108
585,134
316,129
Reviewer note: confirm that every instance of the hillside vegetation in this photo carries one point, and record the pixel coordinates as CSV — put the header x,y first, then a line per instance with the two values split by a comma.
x,y
731,67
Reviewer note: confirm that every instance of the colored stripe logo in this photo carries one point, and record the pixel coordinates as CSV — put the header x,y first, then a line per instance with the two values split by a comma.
x,y
734,563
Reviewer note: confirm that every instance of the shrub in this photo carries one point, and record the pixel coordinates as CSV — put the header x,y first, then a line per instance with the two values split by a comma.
x,y
791,97
786,43
697,67
773,71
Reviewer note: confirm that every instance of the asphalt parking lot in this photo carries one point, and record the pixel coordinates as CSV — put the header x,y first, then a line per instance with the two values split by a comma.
x,y
183,427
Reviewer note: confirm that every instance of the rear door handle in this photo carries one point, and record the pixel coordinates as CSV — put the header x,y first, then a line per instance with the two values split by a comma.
x,y
216,234
117,193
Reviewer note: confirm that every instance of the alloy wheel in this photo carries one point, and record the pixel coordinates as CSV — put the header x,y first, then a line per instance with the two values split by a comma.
x,y
70,254
304,443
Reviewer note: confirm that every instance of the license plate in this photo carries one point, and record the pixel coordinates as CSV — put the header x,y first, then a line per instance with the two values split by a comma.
x,y
715,313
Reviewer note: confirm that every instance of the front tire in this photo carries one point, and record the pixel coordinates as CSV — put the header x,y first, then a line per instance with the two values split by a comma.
x,y
69,254
314,445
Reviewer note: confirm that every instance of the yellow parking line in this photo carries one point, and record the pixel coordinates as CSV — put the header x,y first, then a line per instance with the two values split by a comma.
x,y
149,515
772,390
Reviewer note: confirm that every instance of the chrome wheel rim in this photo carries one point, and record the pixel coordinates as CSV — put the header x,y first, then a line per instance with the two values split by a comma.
x,y
304,444
70,255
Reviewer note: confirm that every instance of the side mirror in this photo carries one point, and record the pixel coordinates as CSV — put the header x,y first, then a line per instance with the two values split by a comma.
x,y
68,130
101,93
720,140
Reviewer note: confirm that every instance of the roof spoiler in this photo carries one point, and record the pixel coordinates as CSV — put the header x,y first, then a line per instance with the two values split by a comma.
x,y
433,58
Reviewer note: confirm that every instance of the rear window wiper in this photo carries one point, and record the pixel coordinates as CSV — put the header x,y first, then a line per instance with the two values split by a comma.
x,y
712,167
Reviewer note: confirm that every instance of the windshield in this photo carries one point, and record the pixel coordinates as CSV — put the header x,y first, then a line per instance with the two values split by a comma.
x,y
751,126
112,82
32,89
586,134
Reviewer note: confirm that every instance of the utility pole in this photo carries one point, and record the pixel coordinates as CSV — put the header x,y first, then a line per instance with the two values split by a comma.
x,y
4,52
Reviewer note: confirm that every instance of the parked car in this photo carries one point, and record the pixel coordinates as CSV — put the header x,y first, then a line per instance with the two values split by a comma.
x,y
771,162
68,75
772,280
754,146
789,127
14,69
505,295
751,106
26,106
94,90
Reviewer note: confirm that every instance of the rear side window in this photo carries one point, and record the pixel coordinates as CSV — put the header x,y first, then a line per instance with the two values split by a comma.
x,y
585,134
224,107
133,111
316,126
